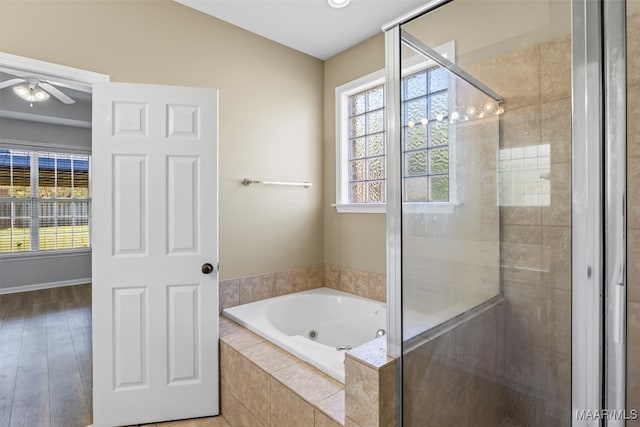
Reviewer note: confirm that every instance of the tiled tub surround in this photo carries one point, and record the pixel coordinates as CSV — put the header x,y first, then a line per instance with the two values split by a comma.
x,y
456,377
262,385
336,319
255,288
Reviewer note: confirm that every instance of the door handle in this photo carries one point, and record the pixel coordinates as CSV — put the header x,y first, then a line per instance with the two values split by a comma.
x,y
207,268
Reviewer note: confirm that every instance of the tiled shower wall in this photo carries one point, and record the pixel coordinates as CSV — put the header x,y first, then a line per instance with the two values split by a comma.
x,y
255,288
633,214
519,351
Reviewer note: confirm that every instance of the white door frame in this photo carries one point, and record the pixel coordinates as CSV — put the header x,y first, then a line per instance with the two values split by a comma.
x,y
66,75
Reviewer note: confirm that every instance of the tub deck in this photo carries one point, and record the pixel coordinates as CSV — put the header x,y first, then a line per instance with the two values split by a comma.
x,y
264,385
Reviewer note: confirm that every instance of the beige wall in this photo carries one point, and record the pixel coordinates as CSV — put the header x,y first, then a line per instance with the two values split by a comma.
x,y
270,108
351,240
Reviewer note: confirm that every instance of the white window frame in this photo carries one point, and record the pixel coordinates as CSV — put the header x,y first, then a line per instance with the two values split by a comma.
x,y
49,148
342,95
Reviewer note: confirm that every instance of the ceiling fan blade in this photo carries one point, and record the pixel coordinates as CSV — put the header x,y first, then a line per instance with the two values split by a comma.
x,y
10,82
57,93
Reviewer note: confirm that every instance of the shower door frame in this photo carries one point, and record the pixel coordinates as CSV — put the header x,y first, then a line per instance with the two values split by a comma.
x,y
598,138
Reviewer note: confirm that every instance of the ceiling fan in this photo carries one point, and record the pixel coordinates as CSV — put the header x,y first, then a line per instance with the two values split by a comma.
x,y
33,90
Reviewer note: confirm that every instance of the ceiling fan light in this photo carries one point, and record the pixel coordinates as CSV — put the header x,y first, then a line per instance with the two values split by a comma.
x,y
338,3
30,93
40,95
22,91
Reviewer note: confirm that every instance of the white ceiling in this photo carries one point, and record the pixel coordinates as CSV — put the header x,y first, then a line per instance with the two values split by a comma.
x,y
309,26
51,111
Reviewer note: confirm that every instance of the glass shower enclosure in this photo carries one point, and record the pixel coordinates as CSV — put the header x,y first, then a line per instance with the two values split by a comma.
x,y
496,221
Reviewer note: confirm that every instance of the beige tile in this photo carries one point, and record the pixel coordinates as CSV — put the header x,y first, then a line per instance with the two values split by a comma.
x,y
332,407
229,369
633,265
229,293
348,280
633,192
308,382
298,279
331,276
228,327
321,420
522,234
362,393
559,389
288,409
633,49
522,257
237,415
283,286
348,422
485,402
256,288
633,126
633,355
268,357
556,129
196,422
559,321
476,342
387,380
559,212
361,284
555,69
526,320
521,215
254,390
242,339
315,277
515,76
430,377
556,243
378,286
521,127
290,281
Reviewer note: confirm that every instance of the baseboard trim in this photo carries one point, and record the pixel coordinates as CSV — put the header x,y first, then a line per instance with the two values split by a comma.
x,y
40,286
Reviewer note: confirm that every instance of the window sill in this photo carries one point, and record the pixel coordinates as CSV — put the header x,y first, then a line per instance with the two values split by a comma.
x,y
45,254
361,208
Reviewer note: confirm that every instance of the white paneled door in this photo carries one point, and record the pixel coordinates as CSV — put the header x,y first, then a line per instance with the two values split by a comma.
x,y
155,252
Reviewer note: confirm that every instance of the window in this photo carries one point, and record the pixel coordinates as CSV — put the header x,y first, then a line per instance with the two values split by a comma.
x,y
44,201
427,160
425,130
366,146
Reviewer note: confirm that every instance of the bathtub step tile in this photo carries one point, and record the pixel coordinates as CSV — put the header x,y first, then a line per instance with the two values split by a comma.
x,y
268,357
255,390
229,368
322,420
308,382
289,409
228,327
195,422
242,339
333,408
235,414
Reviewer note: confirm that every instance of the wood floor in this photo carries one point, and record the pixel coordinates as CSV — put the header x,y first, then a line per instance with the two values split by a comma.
x,y
45,361
45,358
